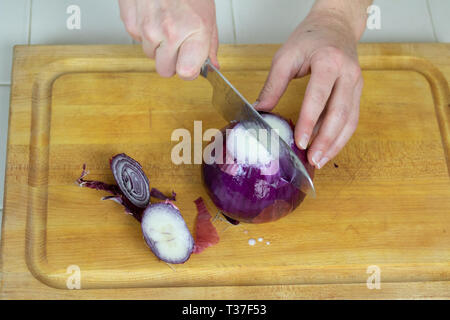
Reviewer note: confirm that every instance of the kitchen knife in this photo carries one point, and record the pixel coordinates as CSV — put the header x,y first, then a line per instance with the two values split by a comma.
x,y
233,106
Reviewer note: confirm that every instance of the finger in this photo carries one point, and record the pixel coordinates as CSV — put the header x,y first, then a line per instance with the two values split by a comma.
x,y
214,47
342,140
339,107
281,73
166,59
315,133
128,15
150,47
192,54
318,125
348,129
318,91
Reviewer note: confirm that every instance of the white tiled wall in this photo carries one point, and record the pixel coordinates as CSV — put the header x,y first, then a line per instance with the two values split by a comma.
x,y
100,23
239,21
267,21
440,16
14,18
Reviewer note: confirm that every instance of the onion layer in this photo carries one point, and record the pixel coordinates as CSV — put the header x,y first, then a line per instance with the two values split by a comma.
x,y
131,180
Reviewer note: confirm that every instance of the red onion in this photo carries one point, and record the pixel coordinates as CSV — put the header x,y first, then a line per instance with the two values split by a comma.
x,y
250,188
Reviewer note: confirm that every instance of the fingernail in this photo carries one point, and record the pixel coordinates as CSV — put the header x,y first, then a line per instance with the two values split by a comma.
x,y
316,157
322,162
304,141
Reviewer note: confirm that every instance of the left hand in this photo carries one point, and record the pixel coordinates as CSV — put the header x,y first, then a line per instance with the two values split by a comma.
x,y
325,46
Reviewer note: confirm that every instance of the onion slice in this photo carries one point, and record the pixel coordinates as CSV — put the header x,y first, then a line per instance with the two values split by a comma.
x,y
131,180
166,232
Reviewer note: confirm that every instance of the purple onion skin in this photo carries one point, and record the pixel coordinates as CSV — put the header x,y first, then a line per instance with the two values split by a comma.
x,y
155,193
236,196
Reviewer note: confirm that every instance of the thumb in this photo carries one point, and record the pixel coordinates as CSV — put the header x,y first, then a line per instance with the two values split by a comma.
x,y
281,73
214,47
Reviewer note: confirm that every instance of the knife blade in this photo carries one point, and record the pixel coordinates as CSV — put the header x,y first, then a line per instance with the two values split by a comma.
x,y
234,107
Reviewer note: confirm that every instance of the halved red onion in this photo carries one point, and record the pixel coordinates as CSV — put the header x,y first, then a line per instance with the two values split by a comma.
x,y
251,188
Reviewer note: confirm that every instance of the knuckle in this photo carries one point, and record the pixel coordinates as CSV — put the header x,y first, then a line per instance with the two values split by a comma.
x,y
277,57
149,34
268,88
280,58
169,28
307,125
340,113
330,59
334,51
325,67
148,31
319,97
328,68
353,72
325,141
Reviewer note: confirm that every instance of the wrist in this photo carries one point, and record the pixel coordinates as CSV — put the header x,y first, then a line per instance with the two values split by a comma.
x,y
349,16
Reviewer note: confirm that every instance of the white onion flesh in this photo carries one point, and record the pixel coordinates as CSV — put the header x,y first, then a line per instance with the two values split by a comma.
x,y
166,233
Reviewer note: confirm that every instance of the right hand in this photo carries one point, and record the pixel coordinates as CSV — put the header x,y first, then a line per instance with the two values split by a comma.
x,y
179,34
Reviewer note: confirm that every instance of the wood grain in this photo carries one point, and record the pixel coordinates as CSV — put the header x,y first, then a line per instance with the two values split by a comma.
x,y
386,204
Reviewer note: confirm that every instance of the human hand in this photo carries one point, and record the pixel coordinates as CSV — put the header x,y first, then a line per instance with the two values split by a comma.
x,y
324,44
179,34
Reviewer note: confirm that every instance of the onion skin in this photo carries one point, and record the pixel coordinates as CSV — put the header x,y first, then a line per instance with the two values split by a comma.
x,y
246,195
205,233
155,193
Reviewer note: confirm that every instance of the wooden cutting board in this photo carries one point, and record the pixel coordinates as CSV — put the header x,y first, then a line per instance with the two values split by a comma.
x,y
383,202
